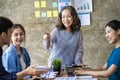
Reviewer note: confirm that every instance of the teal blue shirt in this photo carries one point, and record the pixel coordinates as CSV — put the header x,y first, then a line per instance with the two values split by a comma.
x,y
114,59
66,46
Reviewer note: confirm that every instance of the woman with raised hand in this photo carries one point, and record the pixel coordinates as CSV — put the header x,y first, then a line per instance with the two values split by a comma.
x,y
66,40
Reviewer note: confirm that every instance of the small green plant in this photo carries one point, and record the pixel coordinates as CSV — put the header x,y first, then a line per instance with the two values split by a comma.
x,y
57,63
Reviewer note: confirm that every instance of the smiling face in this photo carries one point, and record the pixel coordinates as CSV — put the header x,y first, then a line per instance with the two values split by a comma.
x,y
112,35
67,18
18,36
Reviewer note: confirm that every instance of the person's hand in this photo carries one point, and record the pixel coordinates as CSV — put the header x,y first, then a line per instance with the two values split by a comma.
x,y
46,35
85,66
32,71
82,64
79,71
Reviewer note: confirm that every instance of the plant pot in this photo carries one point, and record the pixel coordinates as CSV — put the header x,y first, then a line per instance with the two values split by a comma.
x,y
57,69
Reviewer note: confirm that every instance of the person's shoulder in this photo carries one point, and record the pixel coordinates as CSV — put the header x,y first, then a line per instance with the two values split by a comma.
x,y
8,52
118,49
55,30
78,32
10,48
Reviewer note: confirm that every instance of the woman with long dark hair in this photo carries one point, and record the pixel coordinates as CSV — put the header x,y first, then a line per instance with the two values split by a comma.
x,y
66,40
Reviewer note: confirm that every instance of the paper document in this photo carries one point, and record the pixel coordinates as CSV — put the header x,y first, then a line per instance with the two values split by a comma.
x,y
43,67
65,78
76,78
82,77
49,75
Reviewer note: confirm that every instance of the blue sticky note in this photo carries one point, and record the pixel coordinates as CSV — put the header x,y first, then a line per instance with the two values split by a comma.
x,y
54,4
43,14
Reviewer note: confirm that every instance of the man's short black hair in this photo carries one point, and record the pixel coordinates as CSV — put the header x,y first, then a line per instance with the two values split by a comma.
x,y
5,24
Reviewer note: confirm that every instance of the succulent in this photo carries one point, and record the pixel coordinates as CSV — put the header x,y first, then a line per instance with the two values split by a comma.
x,y
56,63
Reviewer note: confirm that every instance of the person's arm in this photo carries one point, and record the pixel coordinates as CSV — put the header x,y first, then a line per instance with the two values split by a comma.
x,y
29,71
8,76
101,73
49,39
104,67
79,52
9,62
46,40
20,75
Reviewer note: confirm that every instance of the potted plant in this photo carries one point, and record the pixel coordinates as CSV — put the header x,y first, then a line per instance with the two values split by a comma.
x,y
57,65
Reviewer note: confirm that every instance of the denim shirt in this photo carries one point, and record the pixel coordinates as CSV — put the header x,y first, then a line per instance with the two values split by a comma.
x,y
11,61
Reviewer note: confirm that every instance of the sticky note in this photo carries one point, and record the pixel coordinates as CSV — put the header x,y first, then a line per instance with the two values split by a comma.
x,y
43,14
43,4
54,4
55,13
37,4
37,14
49,13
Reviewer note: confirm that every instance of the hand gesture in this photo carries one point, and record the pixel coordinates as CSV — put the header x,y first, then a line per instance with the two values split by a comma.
x,y
32,71
46,35
79,71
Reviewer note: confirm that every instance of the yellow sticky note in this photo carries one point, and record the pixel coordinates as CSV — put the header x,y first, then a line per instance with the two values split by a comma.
x,y
55,13
43,3
37,14
49,13
37,4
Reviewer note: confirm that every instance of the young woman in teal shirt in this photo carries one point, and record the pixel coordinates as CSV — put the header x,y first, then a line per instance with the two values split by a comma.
x,y
111,69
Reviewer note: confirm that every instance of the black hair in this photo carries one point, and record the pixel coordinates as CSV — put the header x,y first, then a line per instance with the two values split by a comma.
x,y
5,24
114,24
76,21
